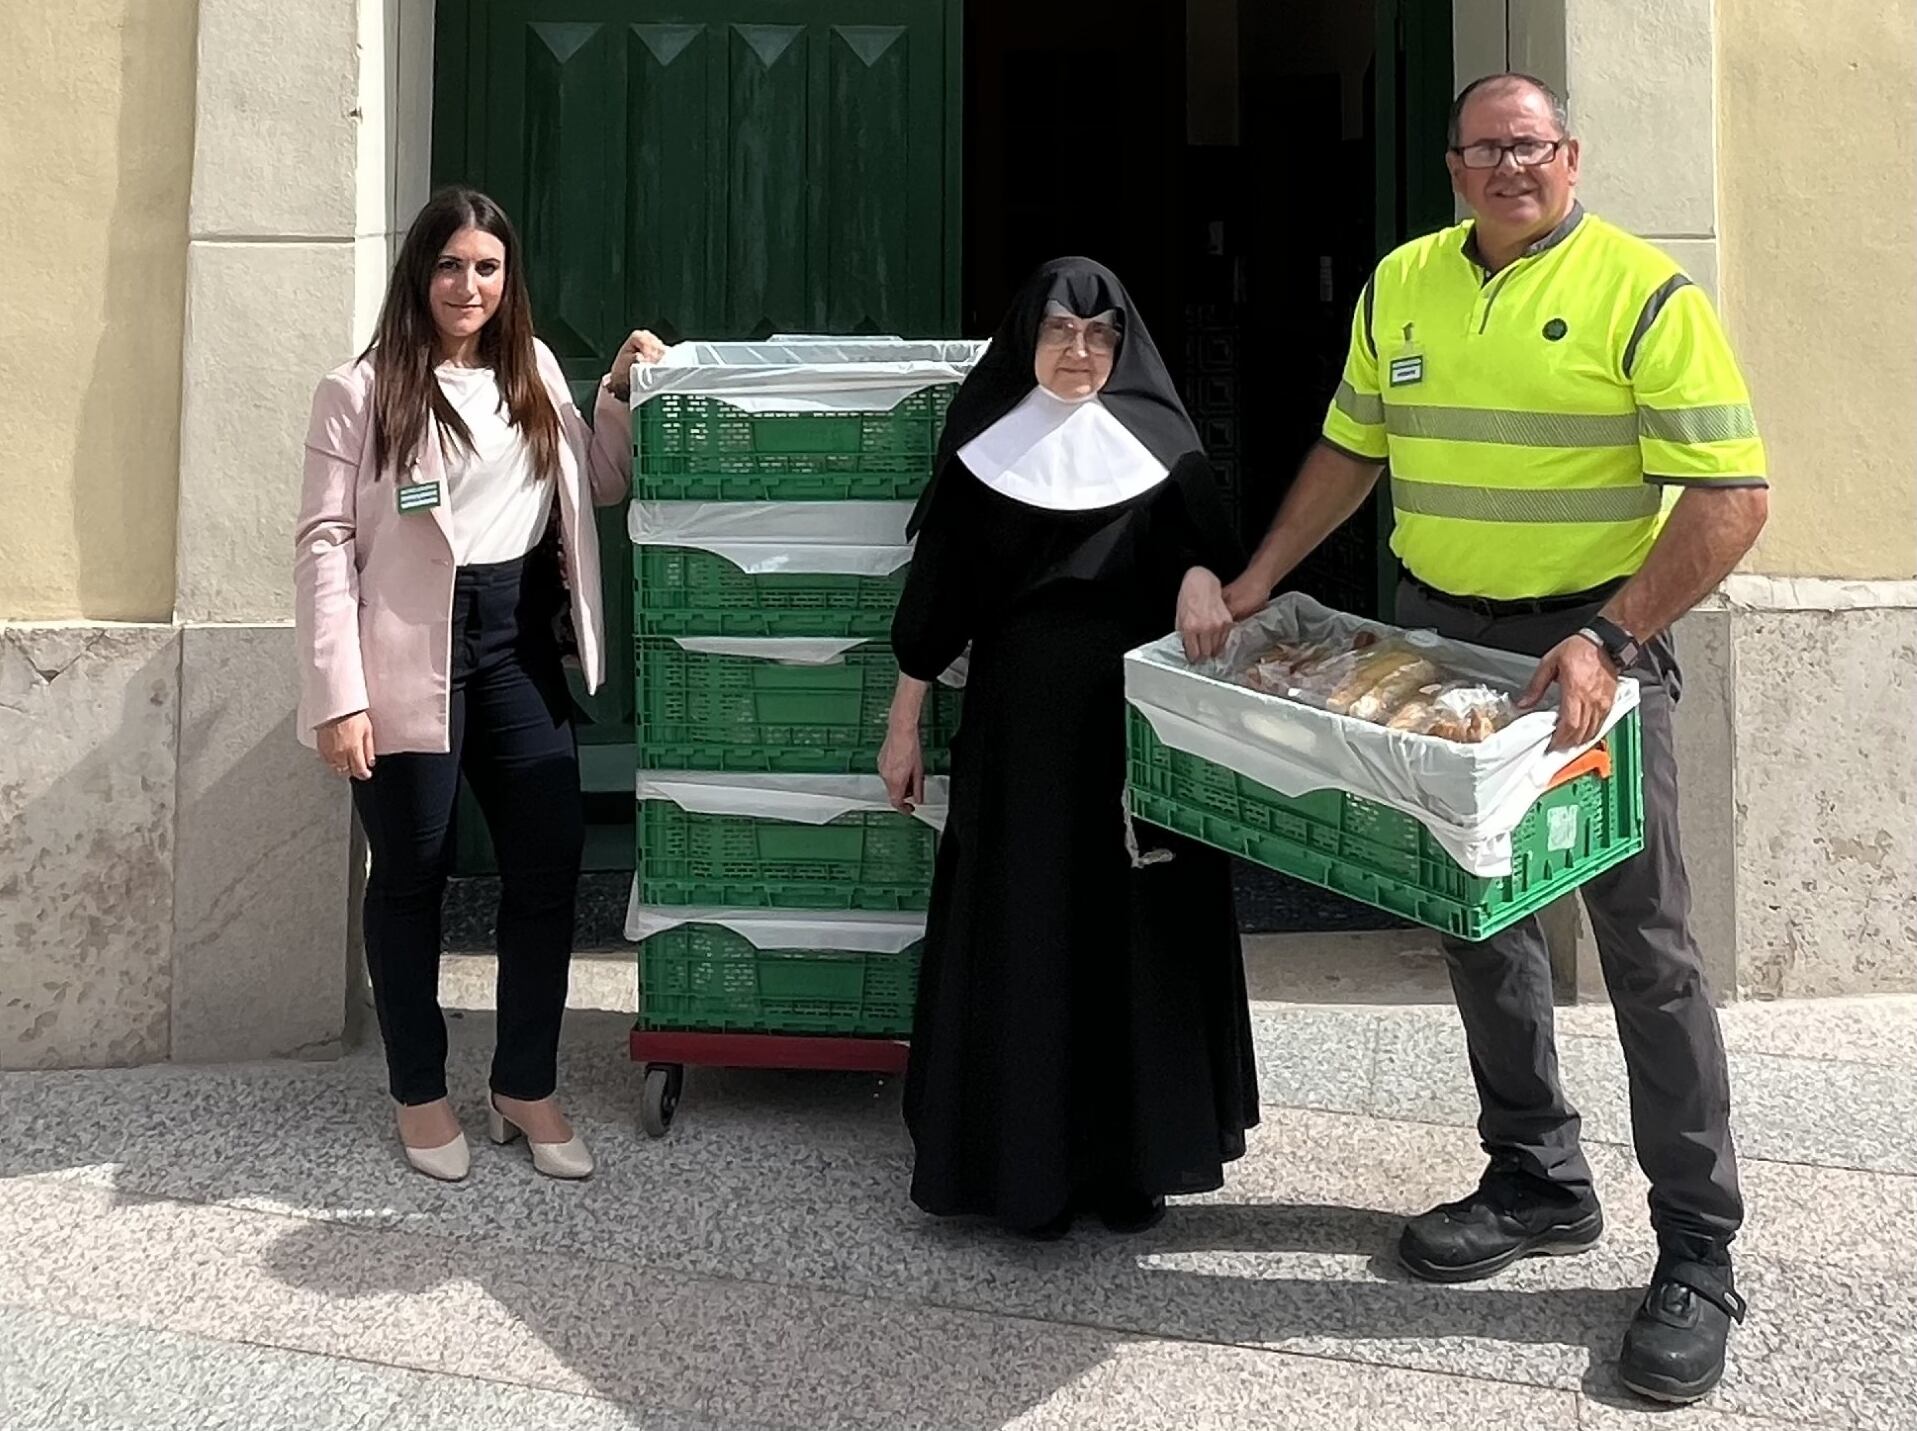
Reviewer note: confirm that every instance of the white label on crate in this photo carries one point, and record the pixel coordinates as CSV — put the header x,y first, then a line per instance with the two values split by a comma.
x,y
1562,829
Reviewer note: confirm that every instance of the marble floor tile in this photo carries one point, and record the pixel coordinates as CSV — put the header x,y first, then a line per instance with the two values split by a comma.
x,y
445,1403
762,1266
1187,1384
1313,1058
1627,1413
1842,1115
1880,1030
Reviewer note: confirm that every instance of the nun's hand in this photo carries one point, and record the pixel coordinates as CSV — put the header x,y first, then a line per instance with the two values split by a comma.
x,y
1204,621
902,767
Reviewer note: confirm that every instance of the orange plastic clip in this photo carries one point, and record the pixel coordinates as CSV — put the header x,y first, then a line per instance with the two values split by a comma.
x,y
1595,761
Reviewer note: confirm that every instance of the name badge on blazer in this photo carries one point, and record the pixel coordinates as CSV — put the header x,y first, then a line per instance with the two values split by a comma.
x,y
418,496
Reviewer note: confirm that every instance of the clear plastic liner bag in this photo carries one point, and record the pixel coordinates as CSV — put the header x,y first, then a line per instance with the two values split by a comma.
x,y
808,374
1467,712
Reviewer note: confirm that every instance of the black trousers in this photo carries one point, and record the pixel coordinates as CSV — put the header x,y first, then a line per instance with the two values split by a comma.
x,y
511,734
1640,912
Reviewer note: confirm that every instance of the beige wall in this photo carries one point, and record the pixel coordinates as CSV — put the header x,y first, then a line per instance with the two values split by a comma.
x,y
1816,109
96,152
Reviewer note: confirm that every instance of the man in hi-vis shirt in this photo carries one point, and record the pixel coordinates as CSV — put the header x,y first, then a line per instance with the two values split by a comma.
x,y
1574,465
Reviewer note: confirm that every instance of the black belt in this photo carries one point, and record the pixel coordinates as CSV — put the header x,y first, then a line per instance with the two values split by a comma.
x,y
1532,606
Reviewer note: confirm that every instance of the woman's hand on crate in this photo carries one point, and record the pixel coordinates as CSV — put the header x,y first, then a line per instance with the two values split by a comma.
x,y
641,346
1587,685
1204,620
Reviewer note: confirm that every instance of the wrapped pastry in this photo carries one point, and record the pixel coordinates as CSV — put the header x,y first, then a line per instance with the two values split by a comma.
x,y
1462,711
1416,714
1378,665
1399,685
1280,665
1318,683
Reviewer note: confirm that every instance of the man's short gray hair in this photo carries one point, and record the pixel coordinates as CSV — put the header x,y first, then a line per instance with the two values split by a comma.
x,y
1560,114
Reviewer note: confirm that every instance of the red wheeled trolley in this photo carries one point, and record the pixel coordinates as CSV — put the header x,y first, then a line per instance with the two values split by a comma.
x,y
773,988
666,1057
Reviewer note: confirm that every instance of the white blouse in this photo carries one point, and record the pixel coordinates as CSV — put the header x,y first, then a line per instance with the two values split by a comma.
x,y
496,499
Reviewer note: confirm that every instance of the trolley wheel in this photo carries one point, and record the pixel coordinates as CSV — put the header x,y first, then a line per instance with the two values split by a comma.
x,y
664,1083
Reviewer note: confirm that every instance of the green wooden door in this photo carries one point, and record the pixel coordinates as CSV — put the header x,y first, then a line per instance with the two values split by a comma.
x,y
725,169
711,169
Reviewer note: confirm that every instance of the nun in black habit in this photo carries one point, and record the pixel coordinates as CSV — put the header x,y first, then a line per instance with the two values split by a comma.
x,y
1082,1042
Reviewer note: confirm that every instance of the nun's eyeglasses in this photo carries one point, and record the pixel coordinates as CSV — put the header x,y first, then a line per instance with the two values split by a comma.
x,y
1059,332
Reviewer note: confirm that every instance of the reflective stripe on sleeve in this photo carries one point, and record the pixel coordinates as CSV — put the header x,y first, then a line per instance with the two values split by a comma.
x,y
1367,408
1716,422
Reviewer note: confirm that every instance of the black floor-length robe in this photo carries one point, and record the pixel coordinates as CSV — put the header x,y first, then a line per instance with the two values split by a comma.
x,y
1082,1030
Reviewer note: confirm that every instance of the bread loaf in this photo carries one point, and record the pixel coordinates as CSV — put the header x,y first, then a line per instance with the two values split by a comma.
x,y
1379,704
1379,665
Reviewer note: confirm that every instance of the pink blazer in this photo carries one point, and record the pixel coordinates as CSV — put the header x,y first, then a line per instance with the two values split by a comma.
x,y
373,587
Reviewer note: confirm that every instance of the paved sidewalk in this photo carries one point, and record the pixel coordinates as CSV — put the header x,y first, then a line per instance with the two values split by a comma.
x,y
241,1248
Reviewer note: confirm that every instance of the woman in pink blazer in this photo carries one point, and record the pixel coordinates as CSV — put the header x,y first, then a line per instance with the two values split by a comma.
x,y
446,565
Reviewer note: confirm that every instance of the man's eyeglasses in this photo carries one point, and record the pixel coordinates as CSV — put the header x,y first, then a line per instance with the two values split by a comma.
x,y
1058,331
1525,153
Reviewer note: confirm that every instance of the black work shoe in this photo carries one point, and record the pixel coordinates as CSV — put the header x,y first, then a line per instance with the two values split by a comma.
x,y
1674,1348
1510,1216
1131,1213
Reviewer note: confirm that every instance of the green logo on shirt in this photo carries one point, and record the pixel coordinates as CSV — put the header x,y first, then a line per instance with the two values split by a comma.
x,y
1408,370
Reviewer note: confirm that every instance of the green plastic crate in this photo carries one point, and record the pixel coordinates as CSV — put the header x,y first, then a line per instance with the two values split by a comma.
x,y
681,591
702,711
706,979
692,448
864,860
1384,858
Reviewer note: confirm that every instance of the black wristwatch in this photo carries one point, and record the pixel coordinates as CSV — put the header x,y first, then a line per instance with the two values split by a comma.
x,y
1614,641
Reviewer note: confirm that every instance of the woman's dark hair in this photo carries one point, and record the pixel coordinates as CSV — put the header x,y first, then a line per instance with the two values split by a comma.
x,y
405,346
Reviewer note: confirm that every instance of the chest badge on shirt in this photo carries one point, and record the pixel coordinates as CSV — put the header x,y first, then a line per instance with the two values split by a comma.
x,y
1408,366
418,496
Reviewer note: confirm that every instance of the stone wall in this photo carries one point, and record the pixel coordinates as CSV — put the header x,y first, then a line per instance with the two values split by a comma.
x,y
173,868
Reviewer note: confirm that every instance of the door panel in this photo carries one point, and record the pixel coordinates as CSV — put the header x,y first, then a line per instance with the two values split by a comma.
x,y
867,167
574,79
765,218
667,239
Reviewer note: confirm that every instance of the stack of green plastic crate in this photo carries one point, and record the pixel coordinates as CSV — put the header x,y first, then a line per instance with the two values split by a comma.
x,y
753,722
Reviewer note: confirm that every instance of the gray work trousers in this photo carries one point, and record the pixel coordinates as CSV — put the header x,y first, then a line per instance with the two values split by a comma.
x,y
1640,911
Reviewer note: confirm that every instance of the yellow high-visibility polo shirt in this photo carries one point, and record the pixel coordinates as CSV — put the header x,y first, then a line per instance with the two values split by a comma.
x,y
1535,419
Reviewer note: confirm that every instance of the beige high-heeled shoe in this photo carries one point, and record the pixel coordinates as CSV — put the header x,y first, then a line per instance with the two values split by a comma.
x,y
571,1159
450,1162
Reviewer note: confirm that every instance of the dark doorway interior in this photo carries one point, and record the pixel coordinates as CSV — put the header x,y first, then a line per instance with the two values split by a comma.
x,y
1229,161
